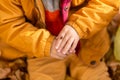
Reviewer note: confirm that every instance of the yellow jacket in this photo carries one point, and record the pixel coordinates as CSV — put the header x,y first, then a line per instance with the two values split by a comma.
x,y
23,33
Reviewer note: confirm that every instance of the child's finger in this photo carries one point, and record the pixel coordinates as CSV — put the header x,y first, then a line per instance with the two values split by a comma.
x,y
59,38
72,49
64,43
67,46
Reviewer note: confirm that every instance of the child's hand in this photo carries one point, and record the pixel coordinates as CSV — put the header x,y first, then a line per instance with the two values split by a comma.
x,y
67,40
56,54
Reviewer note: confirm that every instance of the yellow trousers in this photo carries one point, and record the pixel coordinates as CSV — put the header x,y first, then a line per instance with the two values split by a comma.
x,y
53,69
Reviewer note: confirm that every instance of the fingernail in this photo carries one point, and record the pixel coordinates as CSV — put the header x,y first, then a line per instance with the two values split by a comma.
x,y
56,47
58,50
63,52
71,51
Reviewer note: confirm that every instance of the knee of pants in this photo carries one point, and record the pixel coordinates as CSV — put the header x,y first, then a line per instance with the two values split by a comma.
x,y
46,69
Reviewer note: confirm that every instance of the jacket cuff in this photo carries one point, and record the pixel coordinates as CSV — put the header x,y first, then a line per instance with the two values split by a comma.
x,y
77,28
48,45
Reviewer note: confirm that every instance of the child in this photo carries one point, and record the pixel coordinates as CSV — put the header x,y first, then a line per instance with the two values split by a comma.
x,y
25,33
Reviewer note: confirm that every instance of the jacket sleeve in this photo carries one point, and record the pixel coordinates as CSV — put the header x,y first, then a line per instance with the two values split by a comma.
x,y
16,32
92,17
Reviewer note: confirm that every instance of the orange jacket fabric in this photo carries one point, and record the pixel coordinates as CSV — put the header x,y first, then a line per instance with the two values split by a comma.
x,y
23,31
